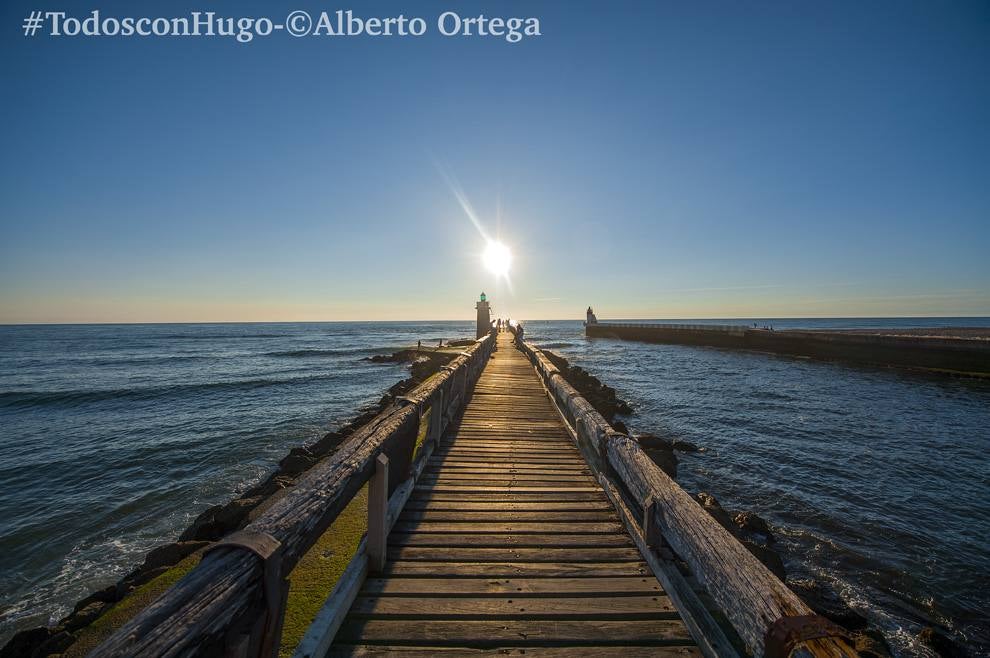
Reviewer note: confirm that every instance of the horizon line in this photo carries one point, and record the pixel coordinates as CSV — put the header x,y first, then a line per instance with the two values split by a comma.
x,y
754,317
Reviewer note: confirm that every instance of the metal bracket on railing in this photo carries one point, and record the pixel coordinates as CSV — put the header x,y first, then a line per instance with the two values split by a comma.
x,y
607,471
276,587
404,401
651,533
787,632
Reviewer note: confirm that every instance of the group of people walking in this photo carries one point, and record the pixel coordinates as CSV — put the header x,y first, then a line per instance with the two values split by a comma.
x,y
499,325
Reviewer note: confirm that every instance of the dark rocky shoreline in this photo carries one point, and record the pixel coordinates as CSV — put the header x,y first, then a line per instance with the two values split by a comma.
x,y
748,527
220,520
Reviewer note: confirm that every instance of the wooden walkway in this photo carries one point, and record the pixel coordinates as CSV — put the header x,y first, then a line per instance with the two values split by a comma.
x,y
509,546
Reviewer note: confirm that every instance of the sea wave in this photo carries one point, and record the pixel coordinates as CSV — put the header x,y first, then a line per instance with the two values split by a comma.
x,y
74,398
312,353
308,353
149,360
218,336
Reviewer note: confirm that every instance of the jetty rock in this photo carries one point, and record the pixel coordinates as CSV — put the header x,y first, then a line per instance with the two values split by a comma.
x,y
826,602
940,643
660,450
753,524
233,515
685,446
24,643
769,557
56,644
870,643
219,520
106,595
298,461
654,442
171,554
84,616
602,397
665,459
713,507
329,442
395,357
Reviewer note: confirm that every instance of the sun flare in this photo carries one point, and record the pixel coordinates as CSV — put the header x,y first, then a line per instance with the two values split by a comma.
x,y
497,258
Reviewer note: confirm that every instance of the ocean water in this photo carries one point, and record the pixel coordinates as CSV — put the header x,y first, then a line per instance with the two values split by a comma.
x,y
113,438
877,480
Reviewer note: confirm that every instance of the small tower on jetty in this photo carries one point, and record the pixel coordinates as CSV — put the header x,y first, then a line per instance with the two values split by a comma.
x,y
591,319
484,317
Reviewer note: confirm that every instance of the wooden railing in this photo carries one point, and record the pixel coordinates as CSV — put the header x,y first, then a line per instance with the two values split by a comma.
x,y
662,518
232,602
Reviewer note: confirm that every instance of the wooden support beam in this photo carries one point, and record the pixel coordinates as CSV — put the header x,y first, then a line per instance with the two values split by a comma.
x,y
377,515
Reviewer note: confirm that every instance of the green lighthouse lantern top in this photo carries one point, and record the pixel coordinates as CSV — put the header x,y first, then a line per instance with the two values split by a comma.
x,y
483,297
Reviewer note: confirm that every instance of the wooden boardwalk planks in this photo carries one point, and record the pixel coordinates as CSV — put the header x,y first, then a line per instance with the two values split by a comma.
x,y
508,546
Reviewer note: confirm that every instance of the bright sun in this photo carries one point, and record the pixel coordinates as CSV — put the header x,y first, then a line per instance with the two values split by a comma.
x,y
497,258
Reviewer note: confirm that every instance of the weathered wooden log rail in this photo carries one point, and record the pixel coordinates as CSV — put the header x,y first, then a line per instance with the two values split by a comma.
x,y
767,616
231,603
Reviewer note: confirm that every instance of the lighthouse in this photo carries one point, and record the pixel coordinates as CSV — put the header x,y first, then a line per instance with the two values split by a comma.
x,y
591,319
484,317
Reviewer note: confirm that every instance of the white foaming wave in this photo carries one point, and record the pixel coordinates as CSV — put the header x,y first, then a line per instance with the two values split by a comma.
x,y
901,635
85,569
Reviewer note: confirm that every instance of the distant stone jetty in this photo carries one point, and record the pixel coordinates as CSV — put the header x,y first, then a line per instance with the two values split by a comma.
x,y
958,351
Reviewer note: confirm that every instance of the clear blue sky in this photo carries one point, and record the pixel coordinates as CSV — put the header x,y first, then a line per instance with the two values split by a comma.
x,y
653,159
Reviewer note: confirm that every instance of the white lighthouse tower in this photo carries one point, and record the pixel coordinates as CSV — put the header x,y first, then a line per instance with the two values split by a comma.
x,y
484,317
591,319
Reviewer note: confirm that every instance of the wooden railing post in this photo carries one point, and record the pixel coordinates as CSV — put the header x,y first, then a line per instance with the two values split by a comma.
x,y
377,515
436,417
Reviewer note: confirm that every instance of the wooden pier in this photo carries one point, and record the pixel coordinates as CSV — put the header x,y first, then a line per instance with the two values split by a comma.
x,y
505,517
508,543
